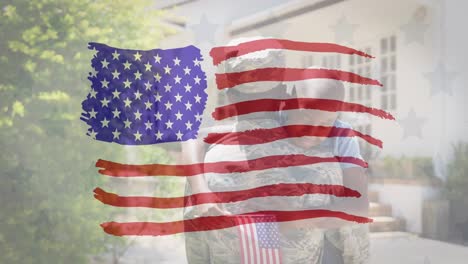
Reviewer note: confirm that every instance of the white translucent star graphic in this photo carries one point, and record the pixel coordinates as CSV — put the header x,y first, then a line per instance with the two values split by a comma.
x,y
188,125
93,134
137,75
94,51
127,83
104,83
169,124
116,134
127,102
179,115
178,97
93,73
115,74
179,135
115,55
187,70
137,115
92,113
105,122
105,64
277,28
137,136
148,125
197,79
167,87
127,65
159,135
157,58
167,69
188,106
148,105
92,93
148,86
116,113
105,102
157,97
196,62
198,117
177,79
344,31
441,79
137,56
158,116
116,93
137,95
197,99
415,29
426,260
188,88
412,125
148,66
157,77
204,30
127,123
168,105
176,61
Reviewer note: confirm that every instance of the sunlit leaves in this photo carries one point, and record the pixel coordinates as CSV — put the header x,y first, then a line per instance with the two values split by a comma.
x,y
48,213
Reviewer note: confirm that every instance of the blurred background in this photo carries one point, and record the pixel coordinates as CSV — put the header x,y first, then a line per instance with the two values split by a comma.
x,y
418,182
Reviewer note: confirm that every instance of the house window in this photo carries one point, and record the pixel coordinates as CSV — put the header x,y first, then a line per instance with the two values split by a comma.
x,y
331,61
307,61
388,65
357,93
361,94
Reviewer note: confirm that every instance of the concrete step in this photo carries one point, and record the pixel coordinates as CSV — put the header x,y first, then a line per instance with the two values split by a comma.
x,y
378,209
386,224
373,196
397,234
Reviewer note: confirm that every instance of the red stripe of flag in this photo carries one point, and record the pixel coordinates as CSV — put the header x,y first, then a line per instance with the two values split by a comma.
x,y
273,105
241,240
280,189
114,169
207,223
220,54
266,135
253,246
229,80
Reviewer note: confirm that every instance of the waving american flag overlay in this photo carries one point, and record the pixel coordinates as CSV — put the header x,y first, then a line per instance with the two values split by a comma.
x,y
266,153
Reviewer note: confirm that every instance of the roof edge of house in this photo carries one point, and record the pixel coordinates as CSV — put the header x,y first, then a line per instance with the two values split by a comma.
x,y
277,14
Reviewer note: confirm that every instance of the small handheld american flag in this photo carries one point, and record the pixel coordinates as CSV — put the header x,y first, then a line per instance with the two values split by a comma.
x,y
259,239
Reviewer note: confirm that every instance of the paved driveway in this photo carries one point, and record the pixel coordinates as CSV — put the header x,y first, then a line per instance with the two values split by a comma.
x,y
386,248
403,248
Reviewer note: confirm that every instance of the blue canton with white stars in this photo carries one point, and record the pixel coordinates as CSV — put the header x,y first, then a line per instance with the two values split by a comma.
x,y
268,235
142,97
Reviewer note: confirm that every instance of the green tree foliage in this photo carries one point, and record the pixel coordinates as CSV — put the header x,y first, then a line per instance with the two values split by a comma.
x,y
457,173
403,168
47,213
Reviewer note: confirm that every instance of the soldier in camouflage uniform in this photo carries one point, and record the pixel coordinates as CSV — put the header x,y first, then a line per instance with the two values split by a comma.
x,y
337,241
308,241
